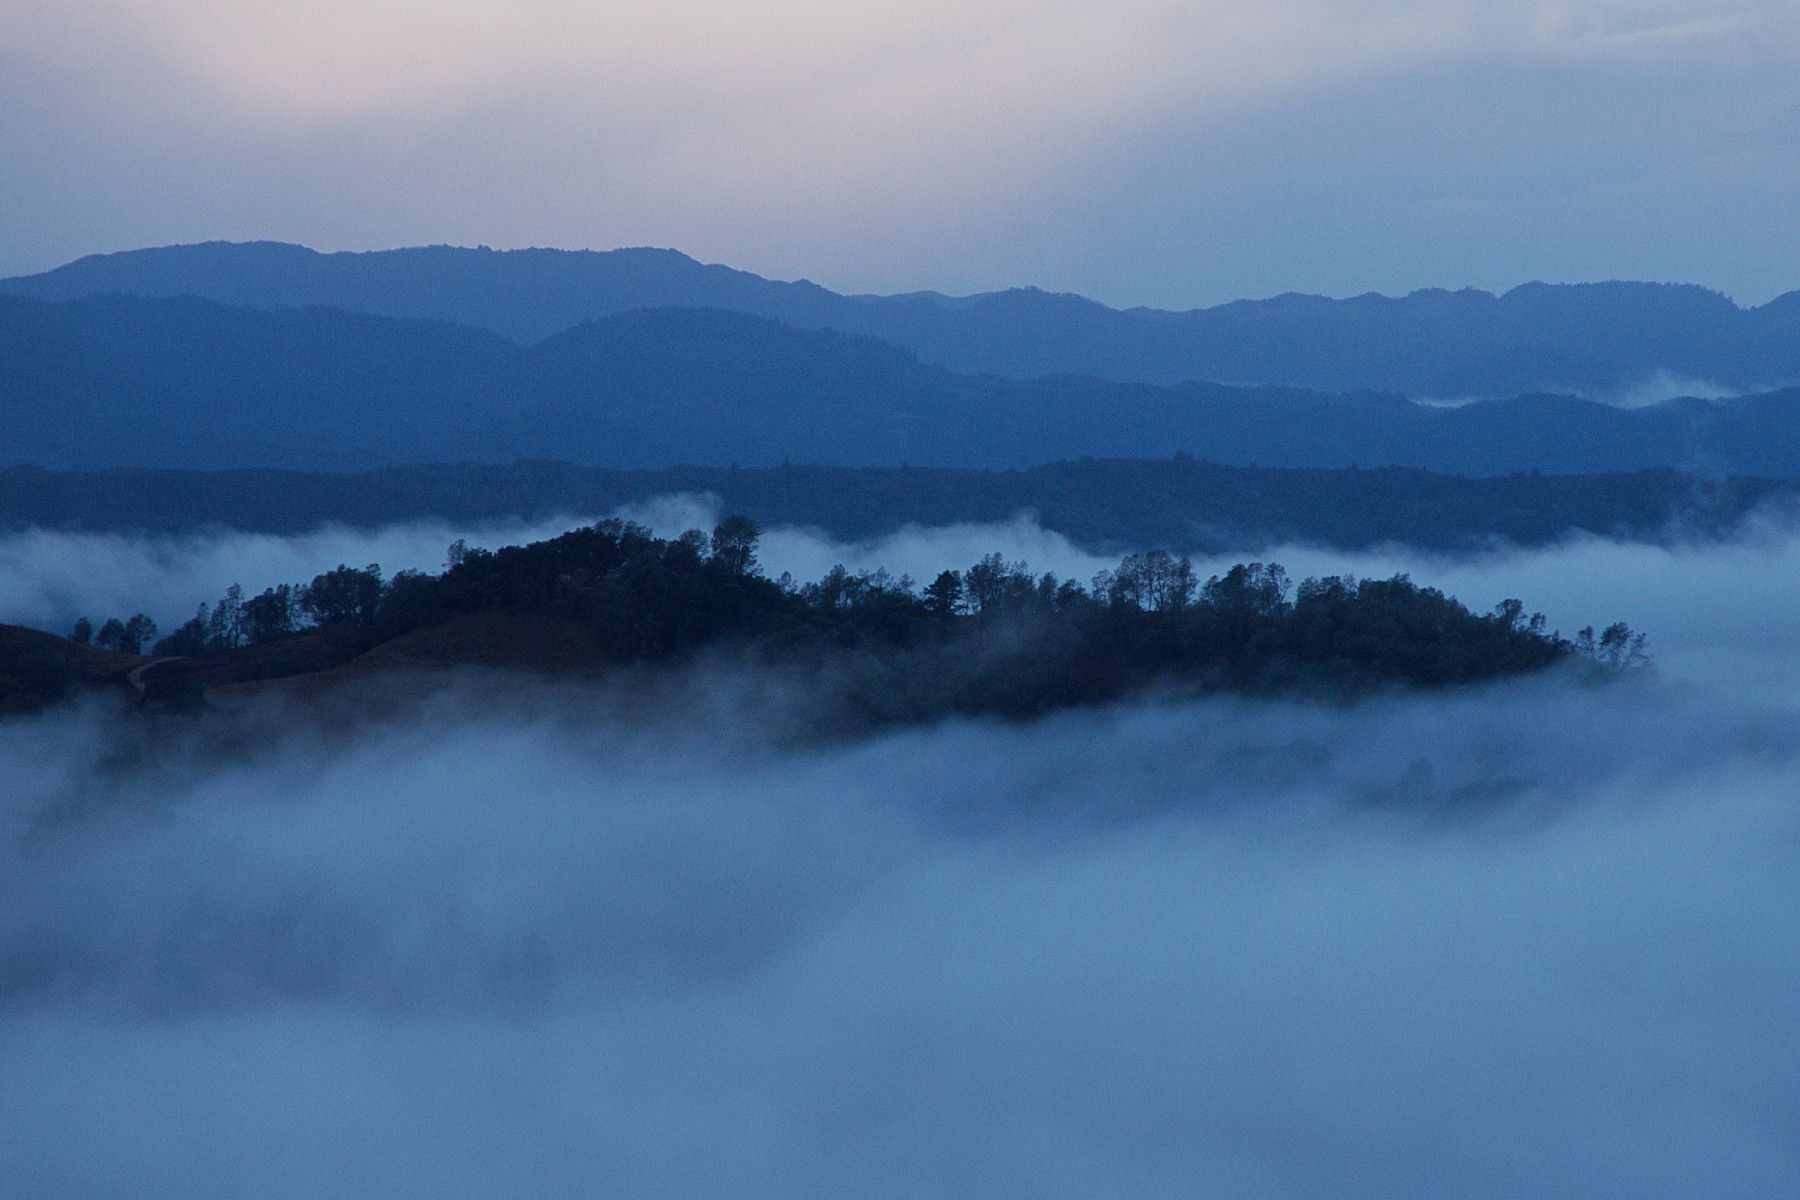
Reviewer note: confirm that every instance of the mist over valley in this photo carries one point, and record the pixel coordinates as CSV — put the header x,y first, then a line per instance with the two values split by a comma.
x,y
542,939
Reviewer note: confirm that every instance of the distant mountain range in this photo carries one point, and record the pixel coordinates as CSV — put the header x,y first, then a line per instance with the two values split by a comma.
x,y
127,381
1606,340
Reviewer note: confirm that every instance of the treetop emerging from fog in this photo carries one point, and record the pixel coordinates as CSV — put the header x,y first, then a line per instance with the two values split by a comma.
x,y
994,638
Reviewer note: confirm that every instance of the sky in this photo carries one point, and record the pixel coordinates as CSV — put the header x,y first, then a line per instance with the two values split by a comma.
x,y
1143,151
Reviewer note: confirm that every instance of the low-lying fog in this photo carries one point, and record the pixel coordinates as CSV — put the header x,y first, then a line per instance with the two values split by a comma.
x,y
1529,941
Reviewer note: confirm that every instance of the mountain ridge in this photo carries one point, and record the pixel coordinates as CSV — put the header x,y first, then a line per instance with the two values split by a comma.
x,y
1590,338
128,381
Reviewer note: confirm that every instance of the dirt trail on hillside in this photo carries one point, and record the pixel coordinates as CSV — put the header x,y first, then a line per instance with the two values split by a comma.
x,y
135,676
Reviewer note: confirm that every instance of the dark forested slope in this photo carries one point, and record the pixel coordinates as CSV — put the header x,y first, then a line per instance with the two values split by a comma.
x,y
1178,504
39,669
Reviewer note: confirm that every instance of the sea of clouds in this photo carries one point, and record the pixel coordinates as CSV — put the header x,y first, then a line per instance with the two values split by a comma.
x,y
1535,939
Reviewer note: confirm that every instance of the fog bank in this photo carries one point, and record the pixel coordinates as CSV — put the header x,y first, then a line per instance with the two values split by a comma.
x,y
1532,941
48,578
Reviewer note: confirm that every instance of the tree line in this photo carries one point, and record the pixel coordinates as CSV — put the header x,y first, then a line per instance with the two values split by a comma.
x,y
994,637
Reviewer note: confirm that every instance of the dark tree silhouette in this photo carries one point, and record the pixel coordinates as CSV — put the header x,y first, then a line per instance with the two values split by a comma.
x,y
734,544
994,638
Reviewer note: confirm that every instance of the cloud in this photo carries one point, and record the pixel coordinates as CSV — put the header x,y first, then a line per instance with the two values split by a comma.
x,y
49,578
1536,940
1658,387
1716,613
322,59
1662,386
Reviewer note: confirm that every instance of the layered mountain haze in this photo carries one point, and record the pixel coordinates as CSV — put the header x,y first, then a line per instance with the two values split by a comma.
x,y
183,382
1602,340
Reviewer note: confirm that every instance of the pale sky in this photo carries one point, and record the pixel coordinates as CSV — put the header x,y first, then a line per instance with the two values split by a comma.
x,y
1139,151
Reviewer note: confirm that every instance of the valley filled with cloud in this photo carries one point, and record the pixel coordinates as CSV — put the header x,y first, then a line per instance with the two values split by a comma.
x,y
557,938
